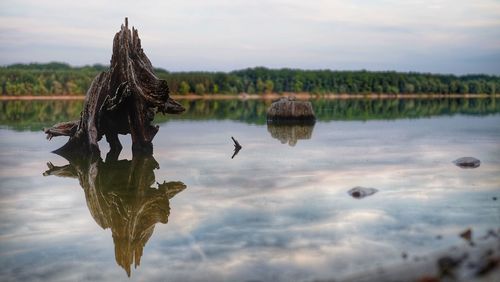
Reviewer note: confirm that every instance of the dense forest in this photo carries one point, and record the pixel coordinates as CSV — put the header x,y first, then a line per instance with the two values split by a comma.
x,y
34,115
63,79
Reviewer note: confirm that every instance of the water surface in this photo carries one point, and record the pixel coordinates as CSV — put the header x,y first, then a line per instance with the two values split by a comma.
x,y
278,211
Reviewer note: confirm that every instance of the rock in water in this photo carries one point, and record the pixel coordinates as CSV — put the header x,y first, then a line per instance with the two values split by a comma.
x,y
467,162
289,110
361,192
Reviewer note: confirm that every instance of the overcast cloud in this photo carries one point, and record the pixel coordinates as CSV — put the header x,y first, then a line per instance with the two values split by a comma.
x,y
444,36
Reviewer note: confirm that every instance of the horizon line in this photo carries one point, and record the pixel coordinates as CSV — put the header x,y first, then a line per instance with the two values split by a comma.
x,y
256,67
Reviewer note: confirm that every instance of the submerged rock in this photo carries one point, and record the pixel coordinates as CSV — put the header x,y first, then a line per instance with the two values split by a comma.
x,y
467,162
467,235
361,192
289,110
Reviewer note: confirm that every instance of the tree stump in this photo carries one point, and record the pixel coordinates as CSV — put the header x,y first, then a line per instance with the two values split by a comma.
x,y
121,100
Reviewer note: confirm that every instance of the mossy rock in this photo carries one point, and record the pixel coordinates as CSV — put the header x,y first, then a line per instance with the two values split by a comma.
x,y
291,111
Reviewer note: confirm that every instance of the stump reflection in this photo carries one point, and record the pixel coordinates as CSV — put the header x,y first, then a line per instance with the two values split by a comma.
x,y
290,133
120,196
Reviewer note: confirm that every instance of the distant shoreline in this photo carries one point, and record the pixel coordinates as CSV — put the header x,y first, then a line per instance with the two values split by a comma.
x,y
62,79
271,96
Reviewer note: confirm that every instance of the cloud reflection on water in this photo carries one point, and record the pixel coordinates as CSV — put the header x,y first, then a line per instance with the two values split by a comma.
x,y
120,197
275,212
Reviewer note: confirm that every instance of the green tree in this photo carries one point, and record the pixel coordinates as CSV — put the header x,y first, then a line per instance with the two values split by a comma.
x,y
199,89
268,86
260,86
250,89
298,86
215,88
71,88
463,88
183,88
60,78
56,88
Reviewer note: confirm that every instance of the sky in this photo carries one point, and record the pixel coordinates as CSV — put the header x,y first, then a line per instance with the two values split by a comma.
x,y
438,36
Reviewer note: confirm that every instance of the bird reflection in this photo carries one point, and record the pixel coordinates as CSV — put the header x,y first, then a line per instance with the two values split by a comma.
x,y
120,195
290,133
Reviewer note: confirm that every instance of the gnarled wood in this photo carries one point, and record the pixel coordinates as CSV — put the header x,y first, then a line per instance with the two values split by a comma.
x,y
122,100
237,147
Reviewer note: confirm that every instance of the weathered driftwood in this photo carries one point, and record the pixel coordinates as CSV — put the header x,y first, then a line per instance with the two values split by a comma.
x,y
290,133
120,196
289,110
237,147
122,100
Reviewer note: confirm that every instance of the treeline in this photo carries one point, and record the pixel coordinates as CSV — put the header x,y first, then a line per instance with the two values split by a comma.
x,y
34,115
47,79
62,79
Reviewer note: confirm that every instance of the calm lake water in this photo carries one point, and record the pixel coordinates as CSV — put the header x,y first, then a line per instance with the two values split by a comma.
x,y
277,211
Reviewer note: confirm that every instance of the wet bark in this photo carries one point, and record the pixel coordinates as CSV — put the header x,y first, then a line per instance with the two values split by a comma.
x,y
122,100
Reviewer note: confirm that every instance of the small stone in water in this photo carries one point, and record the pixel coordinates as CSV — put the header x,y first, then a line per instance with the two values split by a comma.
x,y
361,192
467,162
467,235
447,265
